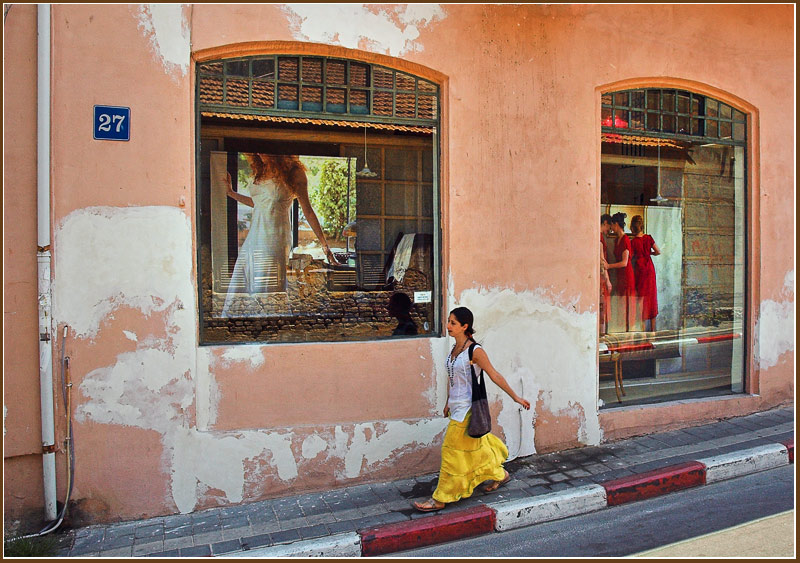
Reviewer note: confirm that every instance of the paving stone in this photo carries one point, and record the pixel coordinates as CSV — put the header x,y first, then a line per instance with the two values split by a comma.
x,y
147,547
265,527
313,531
117,552
350,514
181,531
226,546
320,519
578,473
206,526
285,536
235,522
341,527
118,530
118,542
162,554
149,531
171,522
177,543
197,551
208,537
236,533
258,540
292,524
557,477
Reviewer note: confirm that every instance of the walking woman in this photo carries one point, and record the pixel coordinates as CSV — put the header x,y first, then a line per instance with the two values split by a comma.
x,y
467,462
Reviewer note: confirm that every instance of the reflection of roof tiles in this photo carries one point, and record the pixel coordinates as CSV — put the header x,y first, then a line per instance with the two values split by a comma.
x,y
641,141
310,121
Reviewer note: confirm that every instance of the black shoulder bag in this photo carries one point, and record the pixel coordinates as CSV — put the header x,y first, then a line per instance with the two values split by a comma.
x,y
480,422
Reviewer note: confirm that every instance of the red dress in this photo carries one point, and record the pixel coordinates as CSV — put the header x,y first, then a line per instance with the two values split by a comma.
x,y
605,301
626,284
645,274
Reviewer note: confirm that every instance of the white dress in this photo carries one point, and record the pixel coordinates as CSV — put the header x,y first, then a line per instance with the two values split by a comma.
x,y
261,264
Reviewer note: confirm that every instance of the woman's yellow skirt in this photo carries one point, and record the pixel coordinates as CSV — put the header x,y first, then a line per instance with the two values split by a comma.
x,y
467,462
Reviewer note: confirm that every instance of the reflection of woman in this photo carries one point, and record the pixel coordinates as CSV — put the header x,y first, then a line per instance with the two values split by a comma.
x,y
625,288
643,246
467,461
277,181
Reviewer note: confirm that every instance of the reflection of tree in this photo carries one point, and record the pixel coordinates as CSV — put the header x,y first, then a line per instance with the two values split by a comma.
x,y
330,197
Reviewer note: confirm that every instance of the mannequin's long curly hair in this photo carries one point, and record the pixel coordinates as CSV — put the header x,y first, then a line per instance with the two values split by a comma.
x,y
280,168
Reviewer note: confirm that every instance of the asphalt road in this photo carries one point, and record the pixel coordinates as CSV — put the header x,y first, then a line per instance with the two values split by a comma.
x,y
638,526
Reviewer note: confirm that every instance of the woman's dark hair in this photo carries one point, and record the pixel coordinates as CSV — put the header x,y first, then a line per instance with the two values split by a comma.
x,y
619,219
464,316
605,218
399,304
637,223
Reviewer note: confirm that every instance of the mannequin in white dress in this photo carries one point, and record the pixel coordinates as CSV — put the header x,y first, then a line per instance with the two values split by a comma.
x,y
277,181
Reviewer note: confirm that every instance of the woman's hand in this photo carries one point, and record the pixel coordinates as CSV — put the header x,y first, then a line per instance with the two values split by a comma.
x,y
523,402
229,185
446,411
331,258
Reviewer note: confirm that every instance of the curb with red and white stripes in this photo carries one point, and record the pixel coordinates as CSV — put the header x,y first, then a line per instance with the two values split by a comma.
x,y
508,515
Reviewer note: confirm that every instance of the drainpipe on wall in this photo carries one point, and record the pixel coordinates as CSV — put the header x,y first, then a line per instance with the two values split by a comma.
x,y
43,260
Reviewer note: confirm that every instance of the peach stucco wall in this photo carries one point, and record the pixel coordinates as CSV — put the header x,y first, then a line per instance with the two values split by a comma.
x,y
163,425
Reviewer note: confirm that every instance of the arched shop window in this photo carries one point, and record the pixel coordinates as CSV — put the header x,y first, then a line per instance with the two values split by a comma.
x,y
674,163
330,228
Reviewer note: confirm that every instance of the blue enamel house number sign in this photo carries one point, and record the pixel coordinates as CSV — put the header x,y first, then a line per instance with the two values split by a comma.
x,y
112,123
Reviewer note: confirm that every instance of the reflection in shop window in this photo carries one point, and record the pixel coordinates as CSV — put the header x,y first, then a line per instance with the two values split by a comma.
x,y
297,243
674,188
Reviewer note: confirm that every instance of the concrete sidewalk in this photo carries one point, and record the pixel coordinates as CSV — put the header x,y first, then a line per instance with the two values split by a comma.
x,y
377,518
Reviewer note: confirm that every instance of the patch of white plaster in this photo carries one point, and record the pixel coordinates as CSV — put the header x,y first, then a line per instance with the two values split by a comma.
x,y
5,414
395,435
313,445
388,29
542,347
130,335
108,257
775,327
218,461
142,258
168,31
206,391
253,354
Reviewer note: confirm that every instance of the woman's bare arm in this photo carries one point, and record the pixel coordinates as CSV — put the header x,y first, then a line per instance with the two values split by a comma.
x,y
481,359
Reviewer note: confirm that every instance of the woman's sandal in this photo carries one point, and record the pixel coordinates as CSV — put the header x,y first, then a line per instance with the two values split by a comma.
x,y
494,485
430,505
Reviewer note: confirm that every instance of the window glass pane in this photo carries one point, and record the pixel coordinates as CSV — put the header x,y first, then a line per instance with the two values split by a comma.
x,y
405,82
384,78
683,102
237,93
369,198
405,105
683,125
605,99
426,107
312,70
263,94
336,100
264,69
287,96
668,123
621,99
237,68
383,103
638,99
672,325
712,108
401,200
312,98
335,73
637,120
359,75
653,121
210,68
668,100
359,101
738,116
605,117
712,128
695,105
288,69
210,90
725,130
725,111
738,131
401,164
654,99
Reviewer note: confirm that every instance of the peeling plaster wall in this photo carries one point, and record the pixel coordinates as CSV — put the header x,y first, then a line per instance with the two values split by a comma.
x,y
775,328
168,31
546,350
387,29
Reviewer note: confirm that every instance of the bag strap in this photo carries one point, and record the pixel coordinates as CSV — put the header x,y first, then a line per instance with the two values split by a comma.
x,y
471,349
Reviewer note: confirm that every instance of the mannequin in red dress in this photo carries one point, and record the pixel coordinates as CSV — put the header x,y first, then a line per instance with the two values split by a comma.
x,y
625,290
605,282
643,246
